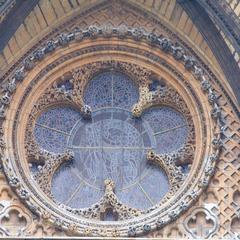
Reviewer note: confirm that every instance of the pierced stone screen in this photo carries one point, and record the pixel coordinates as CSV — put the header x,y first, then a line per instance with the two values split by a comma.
x,y
111,145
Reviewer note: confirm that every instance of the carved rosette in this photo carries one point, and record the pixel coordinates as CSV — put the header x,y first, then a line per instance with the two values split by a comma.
x,y
156,217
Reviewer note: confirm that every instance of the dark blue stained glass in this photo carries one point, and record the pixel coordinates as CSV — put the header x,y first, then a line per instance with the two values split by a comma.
x,y
125,93
186,168
67,85
110,146
98,92
155,183
154,85
134,197
64,183
171,141
109,215
59,118
85,197
34,167
50,140
111,89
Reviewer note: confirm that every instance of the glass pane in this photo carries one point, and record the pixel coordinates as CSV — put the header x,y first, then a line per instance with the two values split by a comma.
x,y
155,183
134,197
111,89
125,93
169,128
50,140
85,197
60,118
98,93
64,183
113,144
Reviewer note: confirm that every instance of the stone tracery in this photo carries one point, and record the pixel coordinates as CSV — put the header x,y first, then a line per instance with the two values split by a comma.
x,y
51,162
189,63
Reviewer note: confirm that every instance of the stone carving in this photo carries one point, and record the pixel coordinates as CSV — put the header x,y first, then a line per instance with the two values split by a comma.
x,y
168,163
55,94
122,31
5,99
39,54
28,64
152,38
93,31
50,46
86,110
14,223
201,223
19,75
11,86
63,39
107,31
2,111
137,34
178,52
189,62
51,164
165,44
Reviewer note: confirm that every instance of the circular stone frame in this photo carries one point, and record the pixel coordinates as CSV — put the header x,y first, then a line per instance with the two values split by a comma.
x,y
147,50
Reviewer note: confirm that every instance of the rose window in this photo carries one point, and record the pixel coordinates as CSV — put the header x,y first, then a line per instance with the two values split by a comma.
x,y
110,145
109,138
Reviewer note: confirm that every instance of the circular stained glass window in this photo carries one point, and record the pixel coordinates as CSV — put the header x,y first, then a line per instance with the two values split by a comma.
x,y
111,145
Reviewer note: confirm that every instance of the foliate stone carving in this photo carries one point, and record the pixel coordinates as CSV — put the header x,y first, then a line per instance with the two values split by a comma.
x,y
39,54
11,86
142,79
205,84
28,64
14,182
212,97
107,31
178,52
168,163
216,112
122,31
86,110
137,34
19,75
189,62
165,44
93,31
63,39
5,99
152,38
50,46
198,72
23,193
164,95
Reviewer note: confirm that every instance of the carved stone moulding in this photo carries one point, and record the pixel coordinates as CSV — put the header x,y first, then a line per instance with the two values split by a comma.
x,y
140,55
